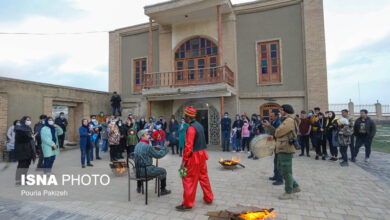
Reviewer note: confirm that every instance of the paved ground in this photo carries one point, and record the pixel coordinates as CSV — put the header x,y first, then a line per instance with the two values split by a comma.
x,y
329,191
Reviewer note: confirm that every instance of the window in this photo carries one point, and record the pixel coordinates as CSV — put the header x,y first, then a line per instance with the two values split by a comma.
x,y
268,55
196,53
139,66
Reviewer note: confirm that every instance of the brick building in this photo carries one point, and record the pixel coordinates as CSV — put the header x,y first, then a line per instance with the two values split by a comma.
x,y
218,57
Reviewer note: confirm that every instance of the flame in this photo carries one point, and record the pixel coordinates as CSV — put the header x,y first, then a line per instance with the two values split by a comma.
x,y
257,215
233,161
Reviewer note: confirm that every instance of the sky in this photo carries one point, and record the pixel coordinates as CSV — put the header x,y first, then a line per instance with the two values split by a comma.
x,y
357,36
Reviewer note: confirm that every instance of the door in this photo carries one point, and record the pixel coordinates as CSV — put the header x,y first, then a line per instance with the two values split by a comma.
x,y
203,118
266,109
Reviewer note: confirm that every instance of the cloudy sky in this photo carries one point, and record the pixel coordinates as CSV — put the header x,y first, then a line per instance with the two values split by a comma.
x,y
357,42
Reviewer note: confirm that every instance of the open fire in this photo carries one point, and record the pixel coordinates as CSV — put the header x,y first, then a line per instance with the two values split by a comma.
x,y
258,215
228,164
118,167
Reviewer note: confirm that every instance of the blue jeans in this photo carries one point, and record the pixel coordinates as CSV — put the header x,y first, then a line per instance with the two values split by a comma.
x,y
161,143
116,108
48,163
225,140
85,153
234,142
367,144
96,146
104,145
238,143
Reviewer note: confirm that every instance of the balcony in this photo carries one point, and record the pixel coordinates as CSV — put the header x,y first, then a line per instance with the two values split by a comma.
x,y
211,82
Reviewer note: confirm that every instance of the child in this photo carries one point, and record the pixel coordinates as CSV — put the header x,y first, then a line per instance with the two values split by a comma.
x,y
159,136
131,141
233,136
344,139
245,134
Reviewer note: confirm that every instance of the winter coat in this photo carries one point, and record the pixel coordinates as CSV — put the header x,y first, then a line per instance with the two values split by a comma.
x,y
131,139
245,132
11,136
37,129
370,127
182,134
116,101
286,130
63,123
238,124
344,139
113,137
24,142
226,124
101,119
159,135
141,125
103,133
85,138
48,143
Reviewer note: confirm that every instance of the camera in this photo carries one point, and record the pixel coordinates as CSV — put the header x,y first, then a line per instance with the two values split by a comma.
x,y
293,141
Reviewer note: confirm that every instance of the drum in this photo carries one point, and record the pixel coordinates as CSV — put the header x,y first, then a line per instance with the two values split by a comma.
x,y
262,145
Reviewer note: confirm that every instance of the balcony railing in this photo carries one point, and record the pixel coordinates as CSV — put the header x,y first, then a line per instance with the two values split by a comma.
x,y
190,77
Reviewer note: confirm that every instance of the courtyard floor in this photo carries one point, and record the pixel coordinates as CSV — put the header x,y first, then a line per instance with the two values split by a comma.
x,y
328,191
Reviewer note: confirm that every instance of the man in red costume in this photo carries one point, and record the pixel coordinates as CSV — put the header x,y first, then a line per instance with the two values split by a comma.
x,y
194,159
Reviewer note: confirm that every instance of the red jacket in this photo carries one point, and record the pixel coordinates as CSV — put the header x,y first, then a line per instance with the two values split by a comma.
x,y
159,135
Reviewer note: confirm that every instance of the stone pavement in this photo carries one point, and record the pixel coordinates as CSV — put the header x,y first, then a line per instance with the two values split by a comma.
x,y
328,192
379,165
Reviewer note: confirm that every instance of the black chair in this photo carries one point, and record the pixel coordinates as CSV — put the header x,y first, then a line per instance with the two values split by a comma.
x,y
137,163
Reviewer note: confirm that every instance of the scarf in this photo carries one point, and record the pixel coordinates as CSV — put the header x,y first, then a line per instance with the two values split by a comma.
x,y
52,129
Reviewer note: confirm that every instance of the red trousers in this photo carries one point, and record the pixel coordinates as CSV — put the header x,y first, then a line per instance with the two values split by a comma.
x,y
197,172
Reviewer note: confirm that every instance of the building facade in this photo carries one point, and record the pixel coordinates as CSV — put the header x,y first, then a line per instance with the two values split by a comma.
x,y
218,57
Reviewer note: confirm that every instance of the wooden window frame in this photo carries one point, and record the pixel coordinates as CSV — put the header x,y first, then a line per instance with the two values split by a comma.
x,y
138,88
259,73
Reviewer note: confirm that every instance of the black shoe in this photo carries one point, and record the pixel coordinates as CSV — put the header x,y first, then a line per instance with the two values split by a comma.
x,y
272,178
183,208
83,166
165,192
277,183
250,156
317,157
344,164
255,158
301,155
90,165
323,158
98,158
353,160
333,159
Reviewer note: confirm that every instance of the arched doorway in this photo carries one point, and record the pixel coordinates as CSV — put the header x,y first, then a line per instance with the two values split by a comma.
x,y
208,116
195,56
267,108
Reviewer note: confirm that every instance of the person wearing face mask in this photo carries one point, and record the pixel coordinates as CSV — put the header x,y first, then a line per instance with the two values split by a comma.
x,y
25,150
122,141
114,138
85,132
104,135
37,129
238,126
131,141
226,124
163,123
173,135
11,140
141,124
50,149
101,118
182,135
245,135
95,137
63,123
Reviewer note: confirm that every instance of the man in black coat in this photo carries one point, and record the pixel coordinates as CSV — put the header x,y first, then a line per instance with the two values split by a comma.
x,y
226,123
364,130
116,103
63,123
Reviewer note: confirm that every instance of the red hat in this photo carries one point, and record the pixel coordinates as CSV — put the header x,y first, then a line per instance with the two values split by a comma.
x,y
190,111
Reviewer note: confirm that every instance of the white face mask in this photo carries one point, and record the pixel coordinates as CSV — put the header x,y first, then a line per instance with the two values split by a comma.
x,y
113,122
51,122
28,123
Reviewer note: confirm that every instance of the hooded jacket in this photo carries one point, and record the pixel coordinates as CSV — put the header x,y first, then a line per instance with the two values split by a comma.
x,y
24,142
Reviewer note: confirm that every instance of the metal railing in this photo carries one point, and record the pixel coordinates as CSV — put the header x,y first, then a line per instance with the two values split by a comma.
x,y
189,77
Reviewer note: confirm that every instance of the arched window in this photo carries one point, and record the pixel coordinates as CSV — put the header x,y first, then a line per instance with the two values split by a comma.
x,y
197,53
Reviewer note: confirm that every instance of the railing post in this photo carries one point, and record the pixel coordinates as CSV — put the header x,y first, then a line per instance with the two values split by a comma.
x,y
351,108
378,109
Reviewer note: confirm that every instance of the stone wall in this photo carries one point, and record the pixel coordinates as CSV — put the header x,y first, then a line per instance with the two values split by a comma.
x,y
19,98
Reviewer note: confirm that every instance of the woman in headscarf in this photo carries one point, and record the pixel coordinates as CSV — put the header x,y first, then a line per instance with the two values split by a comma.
x,y
173,135
331,128
50,144
85,132
123,135
24,147
113,140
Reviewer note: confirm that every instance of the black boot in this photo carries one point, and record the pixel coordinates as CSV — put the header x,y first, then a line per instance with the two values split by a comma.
x,y
139,186
164,191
